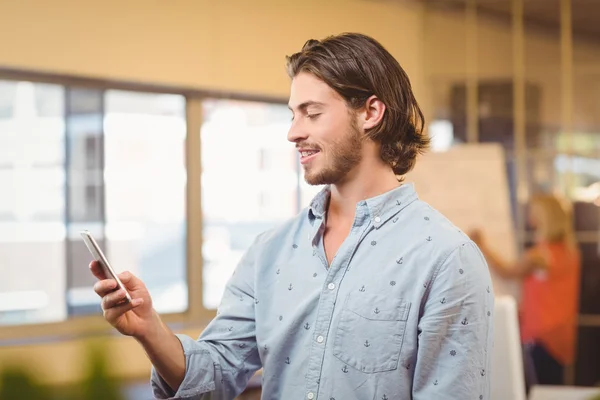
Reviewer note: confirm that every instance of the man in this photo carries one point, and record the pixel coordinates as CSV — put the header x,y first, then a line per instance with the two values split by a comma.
x,y
368,293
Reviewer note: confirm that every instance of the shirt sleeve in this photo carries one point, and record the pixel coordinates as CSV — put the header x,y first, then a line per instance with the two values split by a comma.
x,y
225,356
456,330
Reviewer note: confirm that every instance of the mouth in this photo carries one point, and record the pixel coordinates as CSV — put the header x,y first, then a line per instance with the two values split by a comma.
x,y
307,155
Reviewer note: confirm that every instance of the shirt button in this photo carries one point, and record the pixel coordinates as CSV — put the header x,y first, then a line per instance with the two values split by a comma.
x,y
331,286
377,219
310,395
320,339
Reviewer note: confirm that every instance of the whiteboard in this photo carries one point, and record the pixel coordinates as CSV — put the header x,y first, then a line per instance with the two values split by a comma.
x,y
468,185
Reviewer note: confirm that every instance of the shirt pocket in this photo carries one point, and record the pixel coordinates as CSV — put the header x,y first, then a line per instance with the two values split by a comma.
x,y
370,332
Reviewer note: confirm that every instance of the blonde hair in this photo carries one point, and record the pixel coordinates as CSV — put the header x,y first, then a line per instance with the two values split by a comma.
x,y
553,218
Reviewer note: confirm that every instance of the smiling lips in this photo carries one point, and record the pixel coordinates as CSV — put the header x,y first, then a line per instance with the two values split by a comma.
x,y
306,155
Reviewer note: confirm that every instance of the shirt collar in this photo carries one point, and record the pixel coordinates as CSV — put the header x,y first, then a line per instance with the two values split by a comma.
x,y
381,207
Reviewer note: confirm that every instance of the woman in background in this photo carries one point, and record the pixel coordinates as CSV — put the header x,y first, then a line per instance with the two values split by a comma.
x,y
550,300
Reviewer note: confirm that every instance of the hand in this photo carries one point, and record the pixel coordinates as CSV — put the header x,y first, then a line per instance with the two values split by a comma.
x,y
135,318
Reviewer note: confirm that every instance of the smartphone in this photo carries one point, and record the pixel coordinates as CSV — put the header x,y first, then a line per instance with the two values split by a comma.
x,y
99,256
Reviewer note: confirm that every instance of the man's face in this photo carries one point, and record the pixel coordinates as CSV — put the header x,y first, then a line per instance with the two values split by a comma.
x,y
324,130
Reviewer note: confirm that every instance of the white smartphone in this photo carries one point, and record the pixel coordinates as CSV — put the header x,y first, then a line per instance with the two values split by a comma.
x,y
101,258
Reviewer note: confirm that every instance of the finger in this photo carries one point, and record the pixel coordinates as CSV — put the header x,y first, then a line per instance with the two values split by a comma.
x,y
113,299
113,313
97,270
104,287
130,281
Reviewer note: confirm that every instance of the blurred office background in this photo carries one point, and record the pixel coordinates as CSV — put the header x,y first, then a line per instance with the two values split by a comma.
x,y
161,128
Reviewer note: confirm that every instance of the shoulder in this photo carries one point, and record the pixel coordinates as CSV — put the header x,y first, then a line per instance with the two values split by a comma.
x,y
451,248
446,237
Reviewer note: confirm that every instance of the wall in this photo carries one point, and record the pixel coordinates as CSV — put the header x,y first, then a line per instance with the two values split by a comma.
x,y
235,45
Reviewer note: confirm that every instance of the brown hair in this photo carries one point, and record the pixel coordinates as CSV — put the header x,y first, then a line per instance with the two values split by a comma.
x,y
553,218
356,67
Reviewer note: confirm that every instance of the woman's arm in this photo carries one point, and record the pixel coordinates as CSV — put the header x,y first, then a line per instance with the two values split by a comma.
x,y
532,260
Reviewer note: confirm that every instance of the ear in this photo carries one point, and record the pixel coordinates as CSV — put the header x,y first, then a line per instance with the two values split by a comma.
x,y
373,113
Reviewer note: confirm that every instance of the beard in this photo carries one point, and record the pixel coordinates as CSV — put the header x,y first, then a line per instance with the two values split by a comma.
x,y
340,157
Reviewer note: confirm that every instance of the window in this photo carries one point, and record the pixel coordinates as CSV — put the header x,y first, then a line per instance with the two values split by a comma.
x,y
112,162
249,183
32,204
145,180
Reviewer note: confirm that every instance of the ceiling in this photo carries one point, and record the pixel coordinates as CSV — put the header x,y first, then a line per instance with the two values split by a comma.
x,y
543,13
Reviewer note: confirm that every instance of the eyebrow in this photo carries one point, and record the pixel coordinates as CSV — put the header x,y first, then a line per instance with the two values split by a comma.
x,y
306,104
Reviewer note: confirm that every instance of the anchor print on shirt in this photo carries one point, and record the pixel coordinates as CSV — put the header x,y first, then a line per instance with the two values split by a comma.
x,y
464,321
287,360
367,344
307,326
345,369
362,289
400,260
290,287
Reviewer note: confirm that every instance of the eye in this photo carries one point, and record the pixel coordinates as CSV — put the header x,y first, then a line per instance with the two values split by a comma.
x,y
312,116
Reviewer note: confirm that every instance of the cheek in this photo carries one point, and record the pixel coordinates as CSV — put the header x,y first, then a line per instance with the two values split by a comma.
x,y
330,131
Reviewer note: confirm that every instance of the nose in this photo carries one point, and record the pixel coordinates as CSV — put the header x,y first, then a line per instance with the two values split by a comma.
x,y
296,133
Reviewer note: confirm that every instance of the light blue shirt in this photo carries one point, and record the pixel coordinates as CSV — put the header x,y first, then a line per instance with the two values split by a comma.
x,y
404,311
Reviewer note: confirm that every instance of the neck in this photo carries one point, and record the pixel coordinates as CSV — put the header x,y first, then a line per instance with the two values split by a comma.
x,y
360,184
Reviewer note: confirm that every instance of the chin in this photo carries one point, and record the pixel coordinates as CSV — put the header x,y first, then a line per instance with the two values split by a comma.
x,y
313,181
321,178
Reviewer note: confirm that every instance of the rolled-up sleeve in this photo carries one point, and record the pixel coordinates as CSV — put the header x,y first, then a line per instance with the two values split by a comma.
x,y
456,330
225,356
